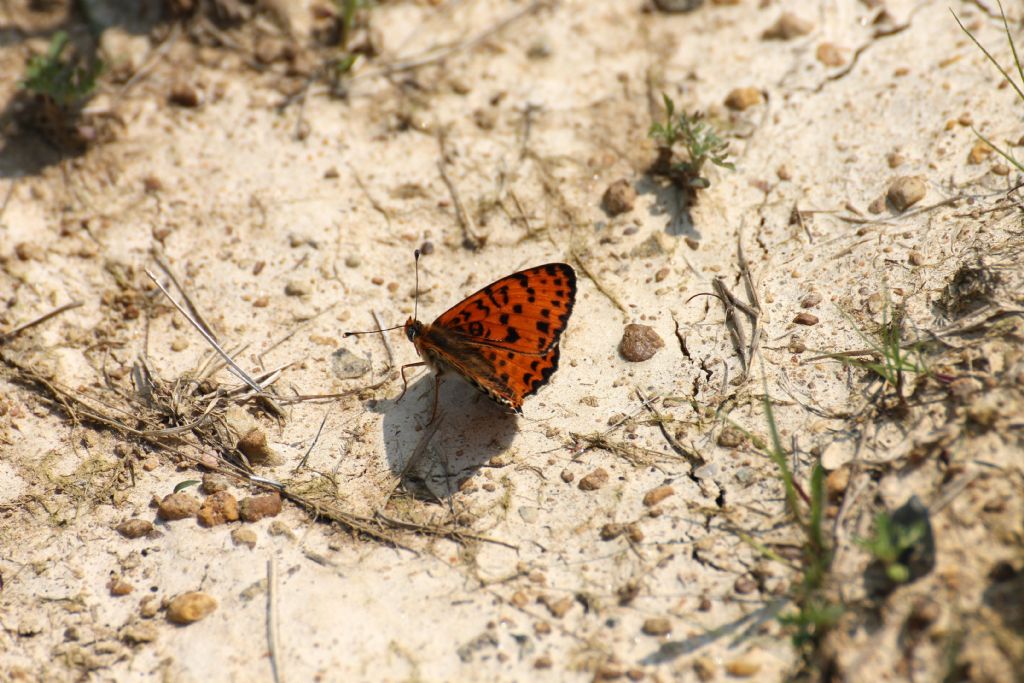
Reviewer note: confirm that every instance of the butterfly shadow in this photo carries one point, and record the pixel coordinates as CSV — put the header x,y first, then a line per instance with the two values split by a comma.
x,y
434,458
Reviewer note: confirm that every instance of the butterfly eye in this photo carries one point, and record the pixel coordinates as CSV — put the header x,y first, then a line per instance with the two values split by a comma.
x,y
410,332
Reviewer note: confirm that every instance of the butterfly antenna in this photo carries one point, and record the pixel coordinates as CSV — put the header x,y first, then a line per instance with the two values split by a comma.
x,y
385,329
416,300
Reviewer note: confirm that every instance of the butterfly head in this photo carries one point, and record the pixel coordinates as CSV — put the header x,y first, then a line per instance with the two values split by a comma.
x,y
413,329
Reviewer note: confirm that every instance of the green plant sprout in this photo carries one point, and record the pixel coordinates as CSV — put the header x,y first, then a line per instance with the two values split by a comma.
x,y
1020,71
892,542
67,81
702,144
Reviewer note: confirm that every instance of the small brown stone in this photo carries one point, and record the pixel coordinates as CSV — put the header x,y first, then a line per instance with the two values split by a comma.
x,y
612,530
796,345
657,626
149,605
594,480
805,318
119,587
836,483
519,599
542,662
740,99
980,151
787,27
639,343
906,191
134,528
255,508
184,95
558,608
661,274
730,437
783,172
214,483
178,506
219,508
915,258
895,159
744,585
1000,169
830,54
877,206
29,251
705,669
744,667
243,536
255,447
619,198
811,300
190,607
567,476
656,495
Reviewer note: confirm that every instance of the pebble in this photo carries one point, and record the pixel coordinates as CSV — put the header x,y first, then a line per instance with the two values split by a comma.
x,y
979,152
836,483
149,606
353,261
347,365
741,99
331,173
877,206
134,528
805,318
179,505
639,343
543,662
787,27
705,669
528,513
895,159
612,530
657,626
119,587
519,599
656,495
906,191
811,300
214,483
219,508
298,288
678,5
255,508
594,480
730,437
279,528
744,585
134,634
244,536
661,274
184,95
189,608
427,248
742,668
558,608
1000,169
915,258
619,198
29,251
830,54
178,345
567,476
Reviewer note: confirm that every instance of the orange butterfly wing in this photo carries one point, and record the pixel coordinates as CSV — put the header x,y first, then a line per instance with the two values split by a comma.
x,y
524,312
504,337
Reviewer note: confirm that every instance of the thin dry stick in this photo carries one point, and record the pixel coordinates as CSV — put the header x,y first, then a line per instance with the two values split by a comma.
x,y
37,321
272,632
184,295
469,235
384,338
693,457
239,372
444,53
754,311
302,463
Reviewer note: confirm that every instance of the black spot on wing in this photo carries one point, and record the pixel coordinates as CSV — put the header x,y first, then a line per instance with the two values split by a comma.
x,y
512,336
517,308
543,326
503,318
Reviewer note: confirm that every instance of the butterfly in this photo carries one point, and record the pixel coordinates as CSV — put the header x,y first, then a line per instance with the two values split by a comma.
x,y
503,339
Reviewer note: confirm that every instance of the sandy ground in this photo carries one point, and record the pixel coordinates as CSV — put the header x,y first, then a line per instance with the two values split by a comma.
x,y
486,560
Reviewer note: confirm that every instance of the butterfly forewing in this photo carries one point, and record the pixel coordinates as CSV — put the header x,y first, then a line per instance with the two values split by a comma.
x,y
504,338
524,312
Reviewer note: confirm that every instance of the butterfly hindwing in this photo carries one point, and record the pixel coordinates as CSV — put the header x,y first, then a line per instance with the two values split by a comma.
x,y
506,376
525,312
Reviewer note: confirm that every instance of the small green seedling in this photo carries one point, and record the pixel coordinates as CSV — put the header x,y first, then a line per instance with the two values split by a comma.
x,y
902,544
701,142
68,81
1020,71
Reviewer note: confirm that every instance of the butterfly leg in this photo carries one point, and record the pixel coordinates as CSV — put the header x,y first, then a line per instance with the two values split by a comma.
x,y
405,382
437,389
